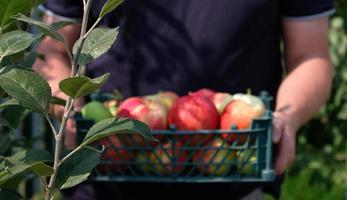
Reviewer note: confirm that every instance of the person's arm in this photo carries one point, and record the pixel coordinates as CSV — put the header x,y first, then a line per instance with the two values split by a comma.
x,y
57,64
57,67
306,86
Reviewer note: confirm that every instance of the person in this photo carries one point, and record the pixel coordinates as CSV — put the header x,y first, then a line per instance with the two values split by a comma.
x,y
224,45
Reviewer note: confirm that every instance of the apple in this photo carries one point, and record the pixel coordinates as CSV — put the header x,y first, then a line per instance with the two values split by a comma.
x,y
194,113
144,161
247,162
204,92
152,113
169,158
111,105
221,99
210,161
96,111
240,112
166,98
114,156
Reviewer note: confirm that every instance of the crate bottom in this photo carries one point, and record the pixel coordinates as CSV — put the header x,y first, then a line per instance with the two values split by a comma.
x,y
179,179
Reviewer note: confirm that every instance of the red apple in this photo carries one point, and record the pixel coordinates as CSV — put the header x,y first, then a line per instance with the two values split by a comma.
x,y
220,100
194,113
166,98
148,111
218,160
169,158
204,92
114,156
240,112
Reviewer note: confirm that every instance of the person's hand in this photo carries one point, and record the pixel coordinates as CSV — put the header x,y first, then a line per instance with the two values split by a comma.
x,y
284,137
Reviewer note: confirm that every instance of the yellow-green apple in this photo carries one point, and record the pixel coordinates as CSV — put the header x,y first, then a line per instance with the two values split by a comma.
x,y
221,99
247,162
217,160
166,98
111,105
204,92
96,111
114,159
240,112
194,113
144,161
152,113
169,158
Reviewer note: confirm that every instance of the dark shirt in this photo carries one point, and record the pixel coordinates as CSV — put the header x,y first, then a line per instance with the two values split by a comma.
x,y
184,45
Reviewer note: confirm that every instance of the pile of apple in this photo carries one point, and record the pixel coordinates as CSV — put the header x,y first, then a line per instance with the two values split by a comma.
x,y
204,109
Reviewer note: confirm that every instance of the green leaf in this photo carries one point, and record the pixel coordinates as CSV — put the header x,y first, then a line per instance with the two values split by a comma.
x,y
31,156
58,101
12,7
10,102
77,168
9,194
14,115
79,86
25,161
27,87
14,42
61,24
112,126
44,28
109,6
97,43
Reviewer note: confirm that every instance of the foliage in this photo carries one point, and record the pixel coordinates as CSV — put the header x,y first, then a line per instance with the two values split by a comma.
x,y
26,90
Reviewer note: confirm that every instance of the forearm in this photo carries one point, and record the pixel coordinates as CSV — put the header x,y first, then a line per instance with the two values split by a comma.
x,y
57,64
55,67
305,89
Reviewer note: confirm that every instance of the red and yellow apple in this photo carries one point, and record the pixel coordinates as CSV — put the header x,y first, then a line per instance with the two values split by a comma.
x,y
166,98
152,113
240,112
221,99
204,92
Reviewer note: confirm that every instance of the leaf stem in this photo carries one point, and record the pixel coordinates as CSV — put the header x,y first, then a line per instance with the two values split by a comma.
x,y
86,9
91,28
70,154
52,126
68,52
43,182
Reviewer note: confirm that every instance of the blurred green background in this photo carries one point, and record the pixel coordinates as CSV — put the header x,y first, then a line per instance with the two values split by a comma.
x,y
320,169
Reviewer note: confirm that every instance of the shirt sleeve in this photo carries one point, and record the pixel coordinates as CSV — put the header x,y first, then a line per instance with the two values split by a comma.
x,y
65,8
306,9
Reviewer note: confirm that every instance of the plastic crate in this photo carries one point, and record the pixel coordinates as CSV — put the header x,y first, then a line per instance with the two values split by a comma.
x,y
188,156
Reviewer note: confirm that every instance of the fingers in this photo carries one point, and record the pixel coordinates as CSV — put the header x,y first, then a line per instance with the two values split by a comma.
x,y
285,152
277,129
284,138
